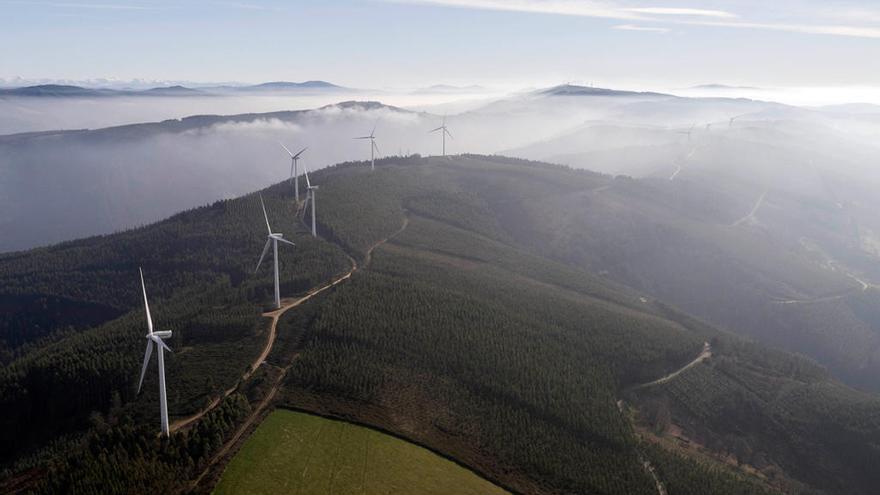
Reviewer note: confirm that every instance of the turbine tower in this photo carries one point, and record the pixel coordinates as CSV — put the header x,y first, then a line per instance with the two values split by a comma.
x,y
688,132
310,197
373,148
155,338
272,240
294,173
444,133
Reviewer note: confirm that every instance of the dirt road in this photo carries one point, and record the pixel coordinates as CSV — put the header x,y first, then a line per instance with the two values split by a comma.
x,y
705,354
275,316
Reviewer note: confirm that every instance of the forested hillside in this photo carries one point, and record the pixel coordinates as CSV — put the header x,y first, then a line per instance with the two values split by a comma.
x,y
199,273
480,322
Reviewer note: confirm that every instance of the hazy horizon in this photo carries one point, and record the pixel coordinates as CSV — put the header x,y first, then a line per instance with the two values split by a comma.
x,y
626,44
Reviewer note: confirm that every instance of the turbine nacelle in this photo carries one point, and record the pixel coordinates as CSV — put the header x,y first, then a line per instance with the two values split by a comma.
x,y
296,155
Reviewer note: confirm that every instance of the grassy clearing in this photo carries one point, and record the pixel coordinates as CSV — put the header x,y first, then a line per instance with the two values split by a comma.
x,y
298,453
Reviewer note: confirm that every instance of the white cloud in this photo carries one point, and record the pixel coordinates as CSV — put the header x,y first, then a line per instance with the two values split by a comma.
x,y
617,9
89,6
247,6
633,27
559,7
681,11
834,30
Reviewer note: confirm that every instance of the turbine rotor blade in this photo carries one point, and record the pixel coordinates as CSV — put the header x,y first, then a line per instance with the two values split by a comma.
x,y
285,149
161,343
264,214
376,147
448,133
308,182
265,250
146,362
435,130
279,239
146,304
364,137
300,152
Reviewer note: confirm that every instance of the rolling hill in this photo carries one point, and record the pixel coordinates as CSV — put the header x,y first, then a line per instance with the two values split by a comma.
x,y
497,313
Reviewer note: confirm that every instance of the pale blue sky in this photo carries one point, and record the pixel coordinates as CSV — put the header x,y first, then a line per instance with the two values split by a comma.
x,y
377,43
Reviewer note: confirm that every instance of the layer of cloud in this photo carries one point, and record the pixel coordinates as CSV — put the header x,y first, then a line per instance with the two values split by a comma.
x,y
681,11
88,6
646,29
559,7
617,9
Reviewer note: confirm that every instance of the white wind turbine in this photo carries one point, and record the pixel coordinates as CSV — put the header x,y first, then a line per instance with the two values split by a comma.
x,y
688,132
272,240
310,197
373,148
444,133
155,338
294,173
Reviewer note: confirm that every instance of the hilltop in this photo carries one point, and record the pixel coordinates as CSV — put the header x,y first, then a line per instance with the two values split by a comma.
x,y
464,329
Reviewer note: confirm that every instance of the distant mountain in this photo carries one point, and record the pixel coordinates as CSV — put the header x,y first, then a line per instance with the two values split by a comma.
x,y
62,90
288,86
173,91
573,90
55,90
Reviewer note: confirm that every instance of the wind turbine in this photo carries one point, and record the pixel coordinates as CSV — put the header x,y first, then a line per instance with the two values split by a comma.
x,y
310,195
373,147
155,338
444,133
272,239
688,132
294,174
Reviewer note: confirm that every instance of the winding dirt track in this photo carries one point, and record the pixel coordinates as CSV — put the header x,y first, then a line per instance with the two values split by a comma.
x,y
751,216
705,354
679,163
286,305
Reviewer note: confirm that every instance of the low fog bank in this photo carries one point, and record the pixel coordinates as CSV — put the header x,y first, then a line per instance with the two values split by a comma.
x,y
61,186
815,96
32,114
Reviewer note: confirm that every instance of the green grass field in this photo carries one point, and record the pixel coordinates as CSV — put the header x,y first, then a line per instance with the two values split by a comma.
x,y
298,453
